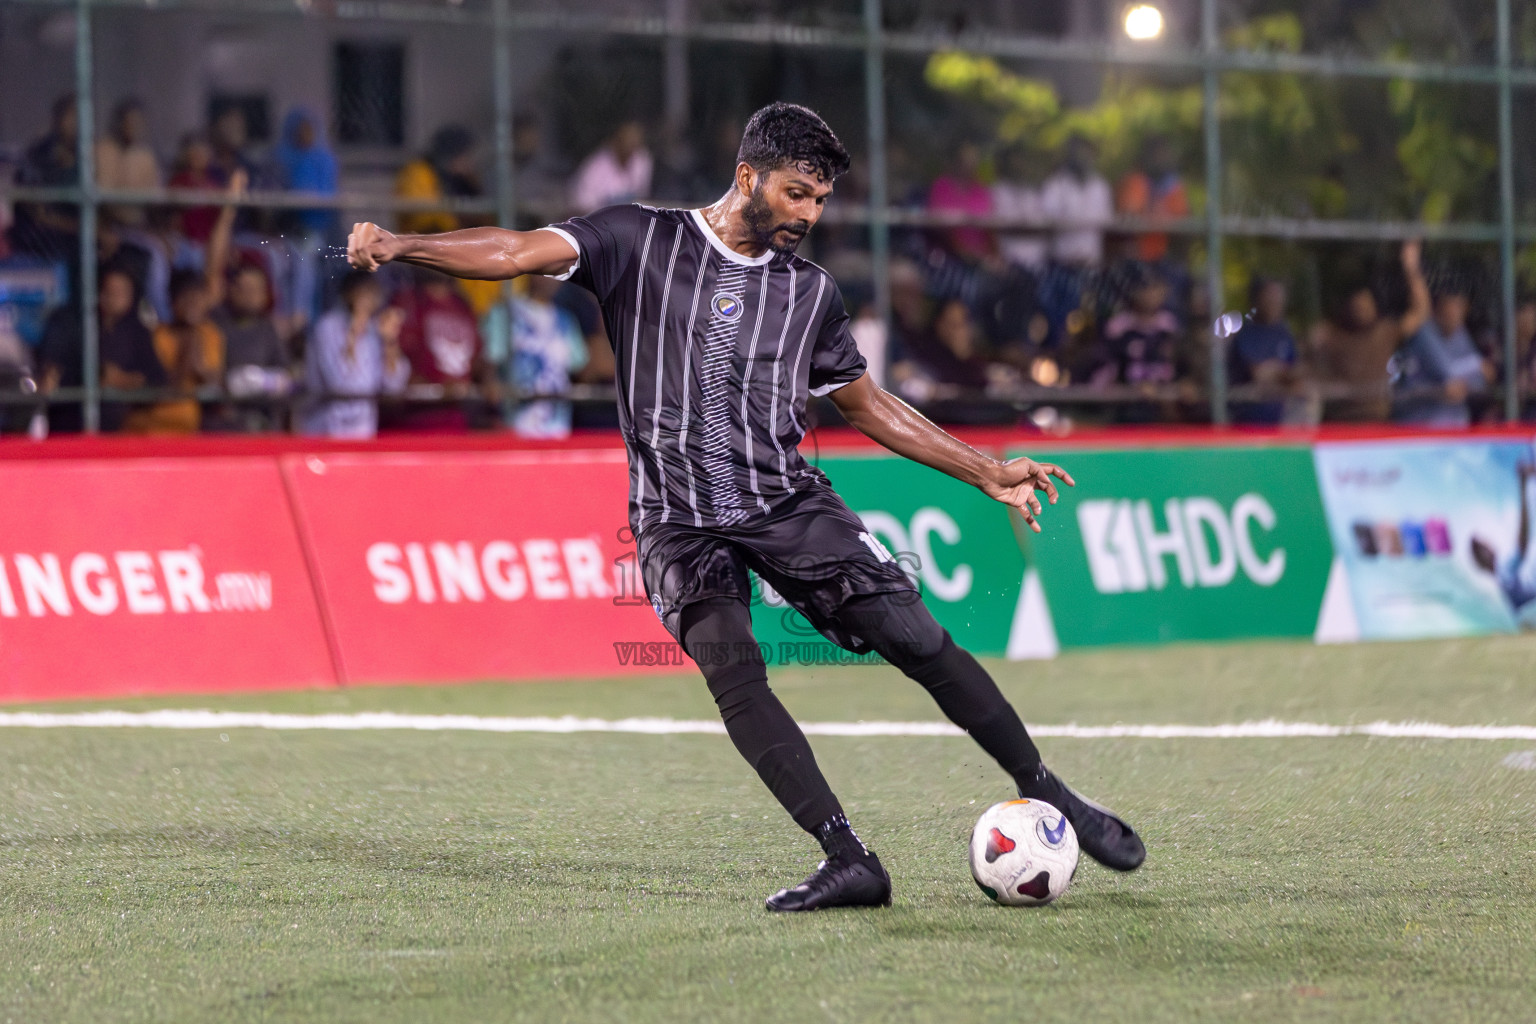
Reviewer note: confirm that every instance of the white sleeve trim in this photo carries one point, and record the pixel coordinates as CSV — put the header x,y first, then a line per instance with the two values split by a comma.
x,y
827,389
574,245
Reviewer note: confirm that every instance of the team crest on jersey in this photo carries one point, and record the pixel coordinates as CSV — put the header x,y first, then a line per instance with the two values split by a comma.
x,y
727,306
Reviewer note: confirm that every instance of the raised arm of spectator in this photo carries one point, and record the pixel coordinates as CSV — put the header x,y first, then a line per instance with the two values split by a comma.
x,y
216,268
1418,289
480,254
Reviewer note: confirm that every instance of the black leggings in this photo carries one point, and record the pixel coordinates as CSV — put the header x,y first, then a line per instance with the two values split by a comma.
x,y
717,634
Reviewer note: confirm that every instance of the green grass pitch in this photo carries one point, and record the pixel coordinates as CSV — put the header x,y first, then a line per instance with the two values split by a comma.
x,y
151,875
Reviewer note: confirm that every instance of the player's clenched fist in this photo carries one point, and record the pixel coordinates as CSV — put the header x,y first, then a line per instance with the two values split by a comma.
x,y
369,246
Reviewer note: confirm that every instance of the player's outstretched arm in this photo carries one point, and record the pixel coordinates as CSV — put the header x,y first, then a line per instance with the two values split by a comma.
x,y
884,418
482,254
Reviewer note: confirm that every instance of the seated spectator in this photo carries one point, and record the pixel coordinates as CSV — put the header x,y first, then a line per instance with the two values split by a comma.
x,y
619,171
546,350
1439,366
51,231
229,136
191,352
193,169
1525,354
255,357
353,357
947,369
127,353
1153,190
125,161
440,339
1355,346
961,191
1140,346
1263,352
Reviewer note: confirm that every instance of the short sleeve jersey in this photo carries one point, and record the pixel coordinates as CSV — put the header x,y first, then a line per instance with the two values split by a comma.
x,y
716,356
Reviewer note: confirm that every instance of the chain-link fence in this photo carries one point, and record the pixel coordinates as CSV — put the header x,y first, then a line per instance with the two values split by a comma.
x,y
1183,210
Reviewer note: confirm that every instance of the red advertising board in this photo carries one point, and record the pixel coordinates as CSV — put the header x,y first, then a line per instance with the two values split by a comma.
x,y
493,565
149,576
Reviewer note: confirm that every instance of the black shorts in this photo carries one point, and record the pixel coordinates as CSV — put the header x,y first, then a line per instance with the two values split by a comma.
x,y
812,549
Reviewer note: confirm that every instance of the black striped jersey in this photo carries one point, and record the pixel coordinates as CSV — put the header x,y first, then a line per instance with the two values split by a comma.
x,y
716,354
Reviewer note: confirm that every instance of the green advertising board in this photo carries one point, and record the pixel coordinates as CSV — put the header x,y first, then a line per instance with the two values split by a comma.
x,y
955,542
1155,545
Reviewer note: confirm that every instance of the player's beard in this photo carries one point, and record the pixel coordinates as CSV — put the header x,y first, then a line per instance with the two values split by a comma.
x,y
759,218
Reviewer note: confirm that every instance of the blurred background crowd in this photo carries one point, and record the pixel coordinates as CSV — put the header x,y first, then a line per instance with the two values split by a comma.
x,y
1044,264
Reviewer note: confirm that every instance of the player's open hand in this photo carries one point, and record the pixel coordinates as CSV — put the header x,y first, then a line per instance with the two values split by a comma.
x,y
369,246
1015,482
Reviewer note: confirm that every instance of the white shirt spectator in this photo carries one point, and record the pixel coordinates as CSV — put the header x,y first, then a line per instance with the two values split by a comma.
x,y
1083,207
1016,199
602,180
344,385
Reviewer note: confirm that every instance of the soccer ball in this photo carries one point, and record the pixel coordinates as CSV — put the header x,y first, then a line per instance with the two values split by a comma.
x,y
1023,853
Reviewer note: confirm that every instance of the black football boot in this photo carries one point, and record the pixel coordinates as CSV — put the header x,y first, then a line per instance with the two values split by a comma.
x,y
851,876
1101,833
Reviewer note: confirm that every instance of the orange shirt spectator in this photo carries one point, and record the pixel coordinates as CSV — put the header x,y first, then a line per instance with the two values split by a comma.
x,y
1153,190
191,349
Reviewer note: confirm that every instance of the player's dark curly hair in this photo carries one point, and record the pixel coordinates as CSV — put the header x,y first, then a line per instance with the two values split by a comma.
x,y
781,134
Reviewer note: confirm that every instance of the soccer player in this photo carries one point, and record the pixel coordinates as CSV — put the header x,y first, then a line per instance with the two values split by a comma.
x,y
721,333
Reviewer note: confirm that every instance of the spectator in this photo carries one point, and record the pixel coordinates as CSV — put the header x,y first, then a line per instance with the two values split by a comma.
x,y
1440,357
947,369
1013,196
127,354
1263,351
194,170
191,352
1154,190
538,184
445,171
352,358
125,161
1140,346
51,231
619,171
440,339
1076,200
304,163
1525,354
1355,346
960,191
229,136
546,349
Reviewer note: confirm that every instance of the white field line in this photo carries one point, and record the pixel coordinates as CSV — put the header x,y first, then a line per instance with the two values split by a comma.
x,y
374,720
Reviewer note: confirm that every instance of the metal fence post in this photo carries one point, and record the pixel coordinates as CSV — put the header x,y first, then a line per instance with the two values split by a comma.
x,y
879,220
506,172
1507,218
85,163
1210,45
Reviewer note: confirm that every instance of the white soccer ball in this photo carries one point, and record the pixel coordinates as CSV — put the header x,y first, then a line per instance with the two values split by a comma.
x,y
1023,853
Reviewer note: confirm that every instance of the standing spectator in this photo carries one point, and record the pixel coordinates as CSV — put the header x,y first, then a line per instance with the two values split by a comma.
x,y
304,163
229,136
619,171
51,231
1077,202
1263,352
445,171
1440,356
194,170
1014,196
546,350
960,191
440,339
124,160
352,358
1356,345
1156,191
191,352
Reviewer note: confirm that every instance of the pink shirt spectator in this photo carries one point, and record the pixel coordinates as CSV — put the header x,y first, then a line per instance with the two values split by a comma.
x,y
950,194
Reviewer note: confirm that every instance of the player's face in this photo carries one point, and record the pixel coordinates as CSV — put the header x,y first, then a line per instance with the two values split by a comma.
x,y
785,205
